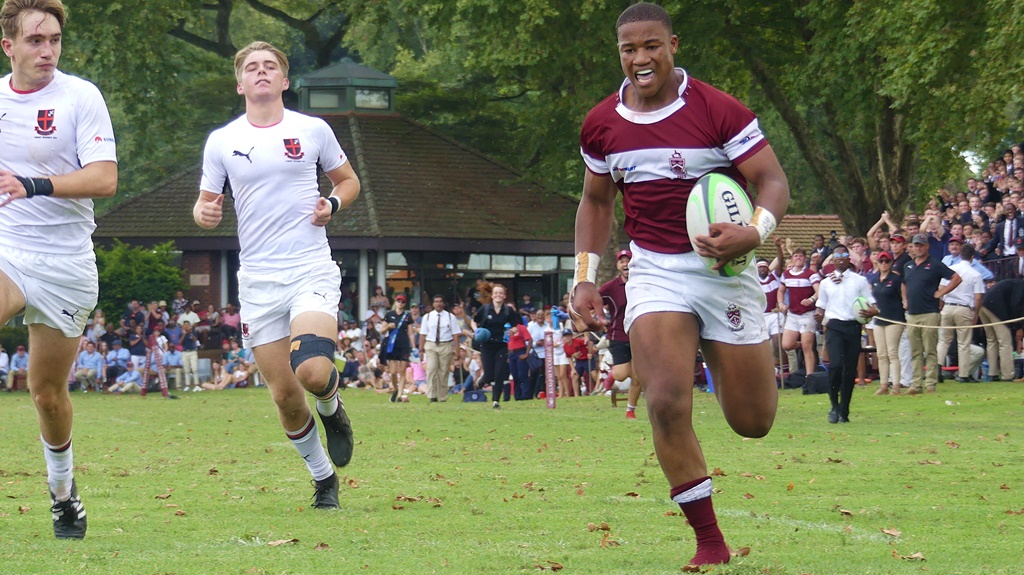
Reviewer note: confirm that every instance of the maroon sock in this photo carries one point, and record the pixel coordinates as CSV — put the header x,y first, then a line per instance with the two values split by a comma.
x,y
700,513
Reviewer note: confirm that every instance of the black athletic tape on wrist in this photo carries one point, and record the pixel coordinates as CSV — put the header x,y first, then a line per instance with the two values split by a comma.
x,y
335,204
36,186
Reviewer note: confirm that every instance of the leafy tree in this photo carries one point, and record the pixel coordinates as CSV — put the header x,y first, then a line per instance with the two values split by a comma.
x,y
131,272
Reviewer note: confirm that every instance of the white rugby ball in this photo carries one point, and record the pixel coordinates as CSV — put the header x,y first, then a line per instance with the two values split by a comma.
x,y
717,198
861,303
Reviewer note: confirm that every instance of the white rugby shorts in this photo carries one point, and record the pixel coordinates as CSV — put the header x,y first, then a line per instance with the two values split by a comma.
x,y
771,322
729,309
60,290
270,301
801,322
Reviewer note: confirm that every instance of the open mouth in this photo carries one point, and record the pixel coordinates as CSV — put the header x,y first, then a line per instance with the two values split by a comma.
x,y
644,77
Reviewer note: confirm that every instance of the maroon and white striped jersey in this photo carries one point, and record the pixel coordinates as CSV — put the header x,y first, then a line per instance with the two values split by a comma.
x,y
800,286
770,287
655,158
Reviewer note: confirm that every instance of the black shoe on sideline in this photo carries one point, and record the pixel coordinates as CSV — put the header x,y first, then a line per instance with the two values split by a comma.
x,y
394,396
326,494
339,435
68,516
833,416
844,419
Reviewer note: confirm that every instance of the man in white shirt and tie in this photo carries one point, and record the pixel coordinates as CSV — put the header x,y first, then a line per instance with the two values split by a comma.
x,y
439,336
836,295
960,311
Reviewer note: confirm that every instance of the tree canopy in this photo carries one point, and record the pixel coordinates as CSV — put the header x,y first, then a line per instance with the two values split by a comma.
x,y
869,104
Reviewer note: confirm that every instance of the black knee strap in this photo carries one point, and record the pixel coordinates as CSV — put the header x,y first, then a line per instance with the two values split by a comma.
x,y
332,386
307,346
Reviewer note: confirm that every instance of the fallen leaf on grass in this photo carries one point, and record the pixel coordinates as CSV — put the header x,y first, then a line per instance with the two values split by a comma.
x,y
952,444
676,513
892,531
790,486
913,557
741,552
848,530
23,510
163,496
1012,512
718,472
748,495
321,547
281,542
438,477
929,462
353,483
551,566
606,541
594,526
632,494
528,486
212,471
397,507
179,513
1004,486
831,460
846,513
407,498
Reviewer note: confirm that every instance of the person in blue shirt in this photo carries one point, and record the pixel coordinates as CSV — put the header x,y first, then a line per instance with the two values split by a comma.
x,y
117,360
19,368
127,381
955,243
173,365
89,367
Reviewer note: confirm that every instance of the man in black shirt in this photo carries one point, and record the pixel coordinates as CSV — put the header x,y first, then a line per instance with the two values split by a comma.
x,y
1004,301
921,294
900,257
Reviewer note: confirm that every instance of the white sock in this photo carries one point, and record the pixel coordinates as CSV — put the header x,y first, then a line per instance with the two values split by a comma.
x,y
699,491
59,468
326,406
307,442
630,407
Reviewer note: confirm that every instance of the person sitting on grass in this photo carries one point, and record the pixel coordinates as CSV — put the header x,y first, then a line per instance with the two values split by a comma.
x,y
130,380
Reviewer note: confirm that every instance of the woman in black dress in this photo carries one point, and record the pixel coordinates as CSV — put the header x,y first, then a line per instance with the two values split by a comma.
x,y
498,318
397,345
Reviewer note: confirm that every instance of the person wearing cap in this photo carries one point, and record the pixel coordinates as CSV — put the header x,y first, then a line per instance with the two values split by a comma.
x,y
836,311
960,309
117,359
396,346
887,289
921,295
128,381
19,367
613,293
954,256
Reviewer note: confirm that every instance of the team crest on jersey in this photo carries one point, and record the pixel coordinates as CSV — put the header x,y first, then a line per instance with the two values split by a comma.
x,y
245,331
678,164
293,149
735,317
45,123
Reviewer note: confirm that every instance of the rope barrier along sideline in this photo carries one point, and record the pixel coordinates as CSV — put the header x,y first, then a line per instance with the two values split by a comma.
x,y
1014,320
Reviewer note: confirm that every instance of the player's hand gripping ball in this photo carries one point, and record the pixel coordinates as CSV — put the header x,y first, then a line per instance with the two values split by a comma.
x,y
717,198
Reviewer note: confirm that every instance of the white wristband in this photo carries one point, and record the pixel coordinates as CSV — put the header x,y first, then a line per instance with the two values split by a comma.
x,y
586,267
764,222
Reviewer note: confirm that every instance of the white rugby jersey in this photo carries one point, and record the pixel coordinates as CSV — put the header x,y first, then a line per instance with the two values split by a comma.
x,y
655,158
53,131
273,179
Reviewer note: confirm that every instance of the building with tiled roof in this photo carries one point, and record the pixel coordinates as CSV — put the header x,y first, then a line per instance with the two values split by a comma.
x,y
801,229
432,217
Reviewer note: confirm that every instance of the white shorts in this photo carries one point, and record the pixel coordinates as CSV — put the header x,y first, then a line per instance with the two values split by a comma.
x,y
60,290
729,309
560,357
801,322
771,321
270,301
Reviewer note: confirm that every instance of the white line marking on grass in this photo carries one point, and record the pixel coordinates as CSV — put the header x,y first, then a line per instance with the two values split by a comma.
x,y
858,533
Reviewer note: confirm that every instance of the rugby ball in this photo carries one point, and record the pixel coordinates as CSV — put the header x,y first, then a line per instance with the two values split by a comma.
x,y
717,198
861,303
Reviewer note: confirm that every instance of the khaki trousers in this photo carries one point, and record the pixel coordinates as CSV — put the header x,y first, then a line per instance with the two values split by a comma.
x,y
1000,346
959,319
887,346
439,359
924,343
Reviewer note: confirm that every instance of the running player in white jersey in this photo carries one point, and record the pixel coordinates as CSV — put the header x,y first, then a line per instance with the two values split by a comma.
x,y
56,154
653,140
288,283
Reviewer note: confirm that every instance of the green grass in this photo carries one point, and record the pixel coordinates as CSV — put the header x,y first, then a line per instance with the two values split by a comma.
x,y
510,491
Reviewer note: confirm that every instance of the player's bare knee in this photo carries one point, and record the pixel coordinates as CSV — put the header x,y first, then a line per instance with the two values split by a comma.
x,y
49,401
312,359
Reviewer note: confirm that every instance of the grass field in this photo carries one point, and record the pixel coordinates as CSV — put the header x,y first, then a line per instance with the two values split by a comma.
x,y
209,484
